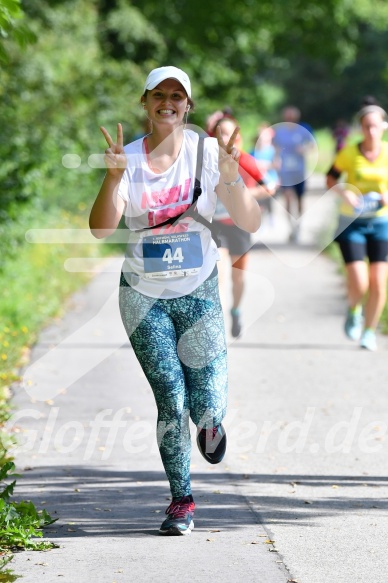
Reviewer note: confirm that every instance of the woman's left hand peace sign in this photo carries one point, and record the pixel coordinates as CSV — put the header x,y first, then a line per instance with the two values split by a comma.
x,y
229,156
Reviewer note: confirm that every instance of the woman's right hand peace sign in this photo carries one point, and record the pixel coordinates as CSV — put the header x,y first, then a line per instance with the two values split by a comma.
x,y
115,158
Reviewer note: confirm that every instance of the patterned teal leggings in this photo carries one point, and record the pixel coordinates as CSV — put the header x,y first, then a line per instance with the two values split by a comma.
x,y
180,344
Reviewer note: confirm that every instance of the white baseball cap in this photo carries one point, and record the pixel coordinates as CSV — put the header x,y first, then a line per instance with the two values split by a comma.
x,y
161,73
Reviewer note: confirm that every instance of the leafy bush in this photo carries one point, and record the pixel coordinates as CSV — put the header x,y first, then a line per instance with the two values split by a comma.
x,y
20,522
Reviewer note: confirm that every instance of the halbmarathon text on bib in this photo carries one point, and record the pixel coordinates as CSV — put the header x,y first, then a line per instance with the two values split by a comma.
x,y
173,255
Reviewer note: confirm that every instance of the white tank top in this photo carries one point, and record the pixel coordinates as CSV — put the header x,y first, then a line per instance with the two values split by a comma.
x,y
171,261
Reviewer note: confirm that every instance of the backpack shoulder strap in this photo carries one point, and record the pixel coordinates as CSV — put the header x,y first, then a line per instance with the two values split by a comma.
x,y
198,170
196,192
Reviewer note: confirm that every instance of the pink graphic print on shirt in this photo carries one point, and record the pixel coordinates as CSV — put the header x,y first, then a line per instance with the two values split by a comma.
x,y
166,198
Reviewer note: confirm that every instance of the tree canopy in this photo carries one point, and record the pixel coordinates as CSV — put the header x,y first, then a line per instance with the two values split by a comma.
x,y
69,66
240,53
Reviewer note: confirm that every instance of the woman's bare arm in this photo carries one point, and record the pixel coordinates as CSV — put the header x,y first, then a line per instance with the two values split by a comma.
x,y
108,206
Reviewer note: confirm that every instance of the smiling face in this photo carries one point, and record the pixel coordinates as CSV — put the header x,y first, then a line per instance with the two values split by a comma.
x,y
166,103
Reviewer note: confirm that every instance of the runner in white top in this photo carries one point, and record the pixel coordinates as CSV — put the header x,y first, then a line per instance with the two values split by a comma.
x,y
169,298
148,204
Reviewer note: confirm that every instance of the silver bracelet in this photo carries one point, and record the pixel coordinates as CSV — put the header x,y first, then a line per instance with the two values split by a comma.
x,y
234,181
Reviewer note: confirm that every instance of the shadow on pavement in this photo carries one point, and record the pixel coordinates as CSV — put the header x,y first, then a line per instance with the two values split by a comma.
x,y
102,502
286,246
294,346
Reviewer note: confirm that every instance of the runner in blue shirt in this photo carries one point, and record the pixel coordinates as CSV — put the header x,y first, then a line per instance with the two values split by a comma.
x,y
292,140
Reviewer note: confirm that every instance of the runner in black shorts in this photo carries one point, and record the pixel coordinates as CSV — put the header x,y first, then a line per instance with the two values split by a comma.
x,y
362,230
237,241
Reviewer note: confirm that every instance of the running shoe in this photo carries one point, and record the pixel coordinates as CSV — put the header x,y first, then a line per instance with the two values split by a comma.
x,y
179,519
368,339
236,324
353,324
212,443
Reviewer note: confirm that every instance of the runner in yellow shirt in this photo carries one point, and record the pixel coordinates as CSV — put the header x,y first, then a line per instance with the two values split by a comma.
x,y
363,224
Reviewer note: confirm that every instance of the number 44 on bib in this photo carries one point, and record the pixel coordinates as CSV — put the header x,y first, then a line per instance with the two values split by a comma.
x,y
170,258
176,255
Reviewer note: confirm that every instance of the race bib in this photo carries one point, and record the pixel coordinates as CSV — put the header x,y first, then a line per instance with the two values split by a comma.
x,y
172,255
371,203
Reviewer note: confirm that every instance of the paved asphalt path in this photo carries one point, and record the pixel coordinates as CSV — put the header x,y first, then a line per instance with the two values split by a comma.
x,y
301,494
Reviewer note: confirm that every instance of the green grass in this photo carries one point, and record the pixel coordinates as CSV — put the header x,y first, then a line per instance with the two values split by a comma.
x,y
20,522
326,150
35,287
384,320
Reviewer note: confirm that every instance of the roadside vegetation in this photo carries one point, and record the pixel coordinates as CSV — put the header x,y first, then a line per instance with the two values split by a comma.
x,y
69,66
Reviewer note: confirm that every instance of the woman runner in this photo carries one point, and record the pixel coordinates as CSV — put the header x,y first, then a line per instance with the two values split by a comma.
x,y
363,224
169,299
236,242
